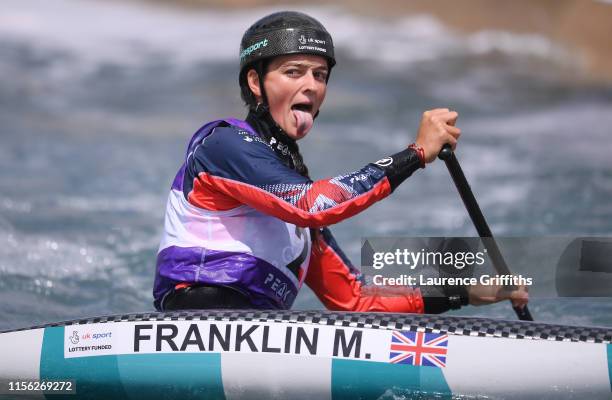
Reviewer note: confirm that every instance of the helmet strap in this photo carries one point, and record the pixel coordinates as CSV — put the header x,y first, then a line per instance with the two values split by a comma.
x,y
260,74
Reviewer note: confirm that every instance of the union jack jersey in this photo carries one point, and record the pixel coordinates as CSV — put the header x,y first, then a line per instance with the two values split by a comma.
x,y
418,348
238,216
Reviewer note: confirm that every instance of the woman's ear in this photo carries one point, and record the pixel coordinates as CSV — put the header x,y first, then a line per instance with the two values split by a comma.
x,y
253,82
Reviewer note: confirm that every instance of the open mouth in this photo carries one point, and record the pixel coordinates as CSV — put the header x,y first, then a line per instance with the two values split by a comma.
x,y
304,117
302,107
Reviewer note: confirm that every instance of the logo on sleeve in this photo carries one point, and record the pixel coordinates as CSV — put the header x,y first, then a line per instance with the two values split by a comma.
x,y
385,162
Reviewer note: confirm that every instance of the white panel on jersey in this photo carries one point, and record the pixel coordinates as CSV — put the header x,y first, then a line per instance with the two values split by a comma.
x,y
241,230
271,376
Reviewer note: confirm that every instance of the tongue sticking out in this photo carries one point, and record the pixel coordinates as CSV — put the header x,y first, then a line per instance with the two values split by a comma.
x,y
303,120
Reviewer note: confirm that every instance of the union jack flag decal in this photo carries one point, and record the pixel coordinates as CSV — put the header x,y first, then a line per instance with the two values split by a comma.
x,y
418,348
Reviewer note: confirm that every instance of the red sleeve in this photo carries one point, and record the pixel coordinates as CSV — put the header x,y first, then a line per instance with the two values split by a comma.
x,y
336,283
232,167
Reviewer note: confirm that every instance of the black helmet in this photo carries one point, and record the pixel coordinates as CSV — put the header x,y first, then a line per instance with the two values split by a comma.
x,y
281,33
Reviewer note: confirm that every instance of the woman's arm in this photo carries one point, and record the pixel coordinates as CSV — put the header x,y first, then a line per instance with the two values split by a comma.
x,y
340,287
233,167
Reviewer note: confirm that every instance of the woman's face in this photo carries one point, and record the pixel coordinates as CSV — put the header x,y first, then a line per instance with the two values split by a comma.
x,y
295,86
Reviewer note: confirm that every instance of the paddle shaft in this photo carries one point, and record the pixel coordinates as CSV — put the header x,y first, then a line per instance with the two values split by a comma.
x,y
463,187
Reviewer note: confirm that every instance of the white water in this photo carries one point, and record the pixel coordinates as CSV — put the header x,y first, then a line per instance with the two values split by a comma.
x,y
98,99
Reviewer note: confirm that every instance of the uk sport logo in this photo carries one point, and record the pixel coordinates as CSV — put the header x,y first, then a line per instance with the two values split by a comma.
x,y
418,348
74,339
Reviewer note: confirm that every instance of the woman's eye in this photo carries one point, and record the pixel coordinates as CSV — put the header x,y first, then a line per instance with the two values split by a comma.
x,y
320,75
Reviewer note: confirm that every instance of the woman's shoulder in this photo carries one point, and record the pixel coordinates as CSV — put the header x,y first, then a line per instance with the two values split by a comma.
x,y
228,139
231,132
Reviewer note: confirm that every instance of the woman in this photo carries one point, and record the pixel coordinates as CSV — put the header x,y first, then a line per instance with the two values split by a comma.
x,y
245,226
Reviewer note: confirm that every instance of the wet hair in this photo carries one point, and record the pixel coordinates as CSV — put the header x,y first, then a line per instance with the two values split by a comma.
x,y
261,68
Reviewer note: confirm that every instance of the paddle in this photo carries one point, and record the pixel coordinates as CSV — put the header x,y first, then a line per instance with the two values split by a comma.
x,y
478,219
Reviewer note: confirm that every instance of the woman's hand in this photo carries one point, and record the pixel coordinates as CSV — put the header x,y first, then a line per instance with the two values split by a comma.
x,y
488,294
437,128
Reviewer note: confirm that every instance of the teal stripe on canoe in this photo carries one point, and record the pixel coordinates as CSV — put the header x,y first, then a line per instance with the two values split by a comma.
x,y
133,376
610,365
352,379
186,376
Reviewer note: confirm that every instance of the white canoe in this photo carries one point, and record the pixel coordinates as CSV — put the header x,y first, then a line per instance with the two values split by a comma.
x,y
306,355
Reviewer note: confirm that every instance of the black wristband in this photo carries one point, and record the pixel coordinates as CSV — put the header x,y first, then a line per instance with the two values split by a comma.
x,y
455,302
437,299
399,166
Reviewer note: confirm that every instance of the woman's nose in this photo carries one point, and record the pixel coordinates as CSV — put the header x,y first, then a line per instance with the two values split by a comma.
x,y
310,81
